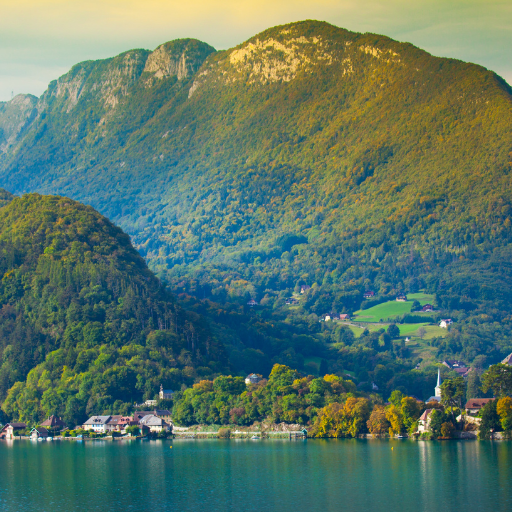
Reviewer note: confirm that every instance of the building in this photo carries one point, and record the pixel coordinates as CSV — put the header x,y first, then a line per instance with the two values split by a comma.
x,y
327,318
37,433
507,360
453,363
53,423
305,288
119,423
427,308
11,430
154,424
165,394
445,323
252,303
291,301
345,317
253,378
437,391
151,403
164,414
474,405
98,424
401,297
424,421
368,294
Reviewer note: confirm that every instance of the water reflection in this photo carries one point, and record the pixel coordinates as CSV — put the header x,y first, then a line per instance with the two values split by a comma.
x,y
313,475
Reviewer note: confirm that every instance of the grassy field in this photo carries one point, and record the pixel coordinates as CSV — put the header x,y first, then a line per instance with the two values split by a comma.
x,y
391,309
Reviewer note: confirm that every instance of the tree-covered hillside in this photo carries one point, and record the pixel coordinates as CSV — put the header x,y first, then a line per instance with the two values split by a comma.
x,y
83,323
306,155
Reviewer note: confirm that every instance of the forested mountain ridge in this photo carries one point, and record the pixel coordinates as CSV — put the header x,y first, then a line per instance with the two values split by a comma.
x,y
84,322
306,155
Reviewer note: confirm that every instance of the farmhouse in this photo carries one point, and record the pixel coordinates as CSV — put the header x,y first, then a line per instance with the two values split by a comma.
x,y
345,317
252,303
368,294
401,297
445,323
305,288
427,308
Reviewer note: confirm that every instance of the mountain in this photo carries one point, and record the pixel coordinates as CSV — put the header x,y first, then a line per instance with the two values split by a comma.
x,y
306,155
84,324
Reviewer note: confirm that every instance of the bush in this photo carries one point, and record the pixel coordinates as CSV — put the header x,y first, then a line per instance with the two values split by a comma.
x,y
224,433
426,436
447,430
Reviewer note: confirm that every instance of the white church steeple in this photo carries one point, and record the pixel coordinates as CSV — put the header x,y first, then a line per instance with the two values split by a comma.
x,y
438,387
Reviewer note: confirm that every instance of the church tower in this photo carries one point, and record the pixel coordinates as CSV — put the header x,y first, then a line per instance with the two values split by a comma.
x,y
438,387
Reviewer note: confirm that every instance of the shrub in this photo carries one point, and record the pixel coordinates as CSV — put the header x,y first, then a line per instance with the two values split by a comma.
x,y
224,433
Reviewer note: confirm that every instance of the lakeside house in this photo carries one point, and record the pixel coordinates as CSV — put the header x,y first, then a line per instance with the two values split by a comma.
x,y
154,424
11,430
424,421
253,378
39,432
474,405
97,424
53,423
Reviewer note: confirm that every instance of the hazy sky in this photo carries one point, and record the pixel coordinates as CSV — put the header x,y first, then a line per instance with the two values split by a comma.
x,y
41,39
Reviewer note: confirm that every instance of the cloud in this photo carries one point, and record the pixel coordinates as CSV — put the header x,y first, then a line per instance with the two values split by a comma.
x,y
41,37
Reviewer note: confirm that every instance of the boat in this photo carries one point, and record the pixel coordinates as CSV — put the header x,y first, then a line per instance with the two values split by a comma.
x,y
255,437
401,437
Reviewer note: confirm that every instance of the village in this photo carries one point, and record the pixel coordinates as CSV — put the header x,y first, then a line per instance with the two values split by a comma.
x,y
157,423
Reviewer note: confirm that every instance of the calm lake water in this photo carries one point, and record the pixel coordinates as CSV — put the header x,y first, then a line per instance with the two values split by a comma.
x,y
246,476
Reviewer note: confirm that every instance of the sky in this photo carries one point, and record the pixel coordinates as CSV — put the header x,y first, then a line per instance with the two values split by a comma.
x,y
41,39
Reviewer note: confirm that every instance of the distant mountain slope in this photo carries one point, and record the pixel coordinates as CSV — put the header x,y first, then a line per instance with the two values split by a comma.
x,y
83,322
308,154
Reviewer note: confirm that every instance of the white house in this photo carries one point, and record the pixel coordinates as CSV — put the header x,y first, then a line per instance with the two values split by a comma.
x,y
98,424
445,323
424,421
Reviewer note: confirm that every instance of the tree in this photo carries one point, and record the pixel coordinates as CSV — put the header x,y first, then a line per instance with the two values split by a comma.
x,y
378,423
421,332
133,430
498,378
394,331
437,418
447,429
453,392
473,385
504,410
490,420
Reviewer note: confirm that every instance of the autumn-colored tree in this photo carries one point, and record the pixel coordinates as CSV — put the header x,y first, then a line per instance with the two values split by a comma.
x,y
504,409
447,429
378,423
395,418
343,420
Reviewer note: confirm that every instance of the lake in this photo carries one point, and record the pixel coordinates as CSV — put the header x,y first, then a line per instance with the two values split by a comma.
x,y
246,476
